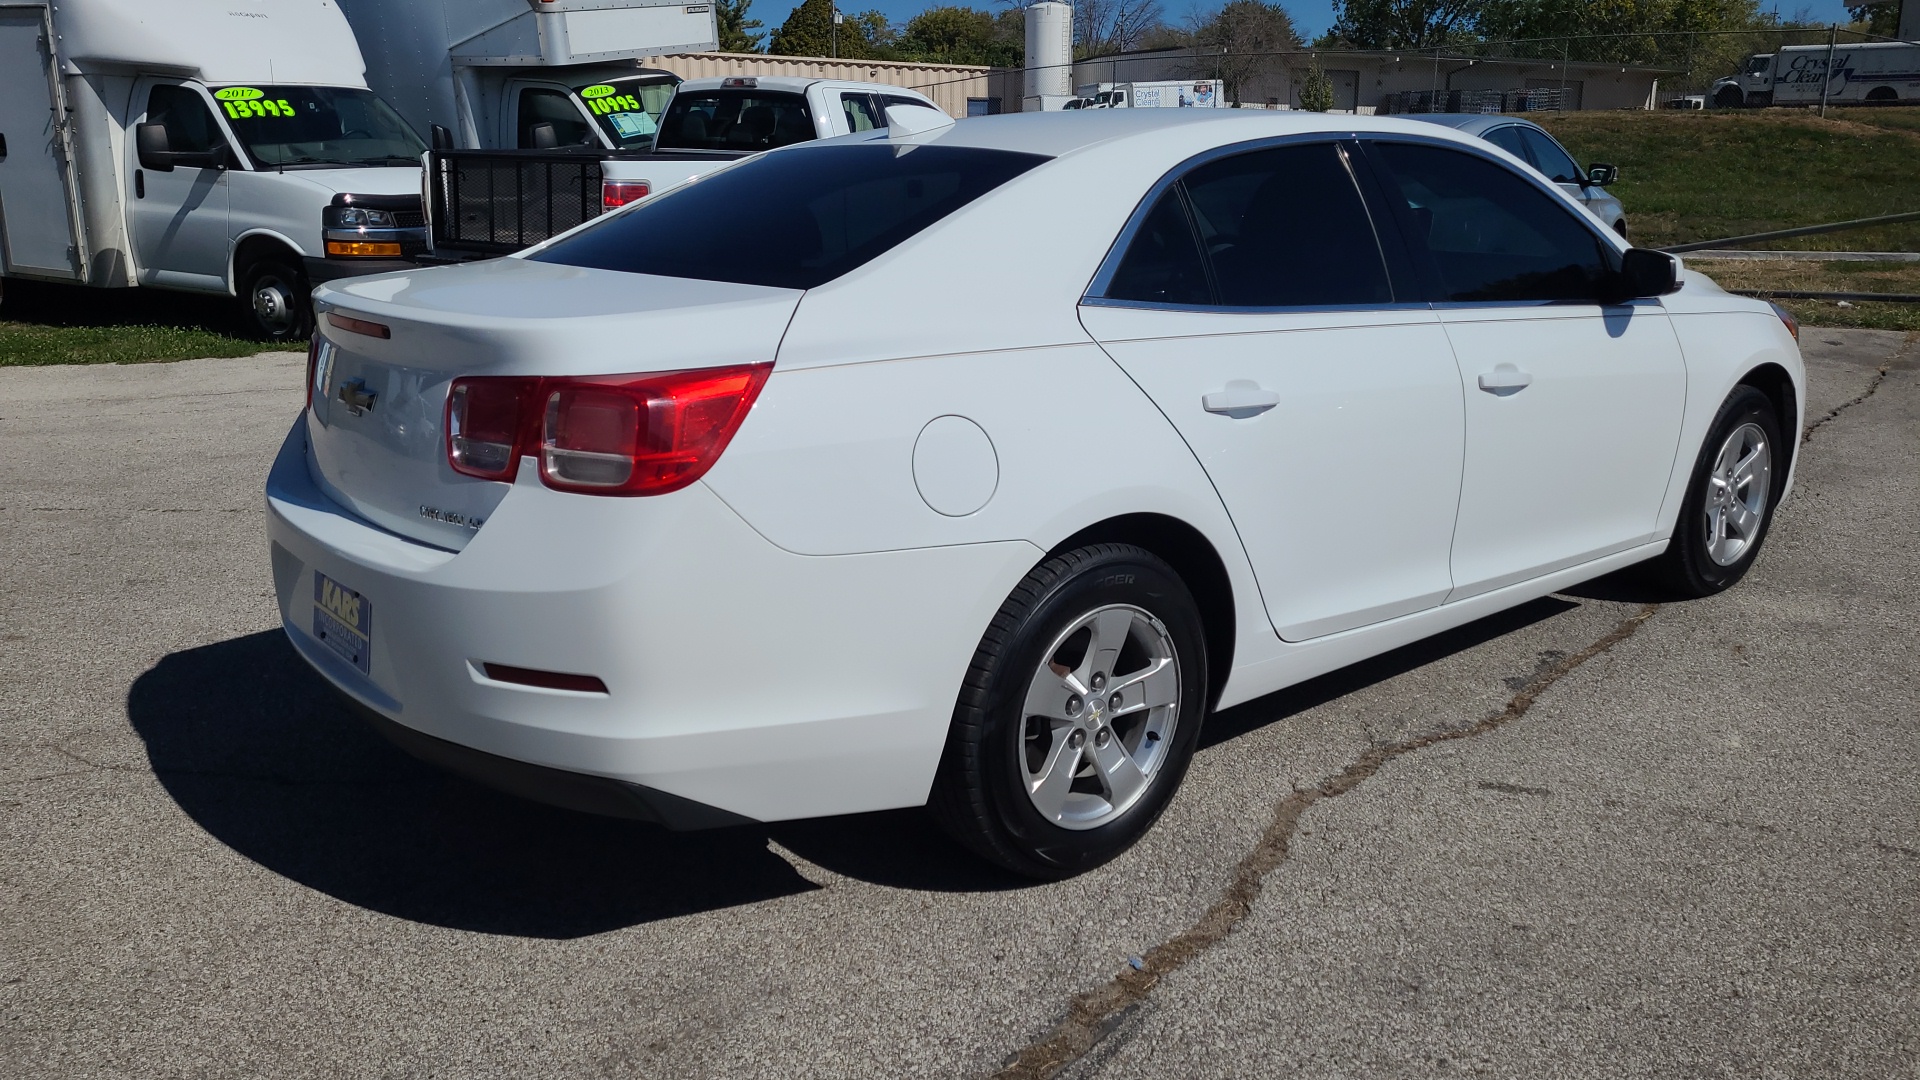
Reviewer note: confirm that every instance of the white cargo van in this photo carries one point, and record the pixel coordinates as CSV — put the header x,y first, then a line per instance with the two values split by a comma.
x,y
528,74
230,148
1879,71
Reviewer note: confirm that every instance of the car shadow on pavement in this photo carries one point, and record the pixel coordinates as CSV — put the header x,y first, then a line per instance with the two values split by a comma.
x,y
1229,724
257,749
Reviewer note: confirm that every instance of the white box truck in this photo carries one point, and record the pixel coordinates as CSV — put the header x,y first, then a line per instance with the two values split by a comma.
x,y
528,74
1169,94
1879,71
230,148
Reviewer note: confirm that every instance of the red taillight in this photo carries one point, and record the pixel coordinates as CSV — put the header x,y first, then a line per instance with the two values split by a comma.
x,y
484,428
601,435
615,194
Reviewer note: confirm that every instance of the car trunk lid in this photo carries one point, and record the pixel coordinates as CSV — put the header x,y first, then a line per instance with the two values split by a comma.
x,y
391,345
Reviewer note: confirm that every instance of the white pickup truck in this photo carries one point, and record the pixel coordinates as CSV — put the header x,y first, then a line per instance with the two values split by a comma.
x,y
491,202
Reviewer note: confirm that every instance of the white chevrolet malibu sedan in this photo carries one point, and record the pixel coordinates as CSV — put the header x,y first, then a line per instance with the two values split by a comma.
x,y
972,467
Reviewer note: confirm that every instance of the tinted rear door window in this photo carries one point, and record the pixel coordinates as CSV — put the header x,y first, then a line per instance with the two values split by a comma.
x,y
1286,228
1508,139
1163,264
735,120
1491,234
795,219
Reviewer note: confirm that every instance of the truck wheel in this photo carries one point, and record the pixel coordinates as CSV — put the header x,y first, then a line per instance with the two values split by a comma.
x,y
275,301
1729,98
1882,94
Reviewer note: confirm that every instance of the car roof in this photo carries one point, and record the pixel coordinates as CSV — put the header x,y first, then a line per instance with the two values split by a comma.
x,y
1060,133
1472,123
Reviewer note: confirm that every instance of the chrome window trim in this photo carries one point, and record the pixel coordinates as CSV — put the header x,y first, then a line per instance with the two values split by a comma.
x,y
1095,294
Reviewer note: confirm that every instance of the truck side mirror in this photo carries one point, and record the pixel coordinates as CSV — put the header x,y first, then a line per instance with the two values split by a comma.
x,y
544,136
442,138
1646,272
150,142
1600,174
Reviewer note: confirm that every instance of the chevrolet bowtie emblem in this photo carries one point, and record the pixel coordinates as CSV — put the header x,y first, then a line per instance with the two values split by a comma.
x,y
358,398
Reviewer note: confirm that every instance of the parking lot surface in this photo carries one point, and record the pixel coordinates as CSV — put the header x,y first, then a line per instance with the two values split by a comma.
x,y
1600,835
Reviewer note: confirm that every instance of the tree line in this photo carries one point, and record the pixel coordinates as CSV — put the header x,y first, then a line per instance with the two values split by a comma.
x,y
1698,35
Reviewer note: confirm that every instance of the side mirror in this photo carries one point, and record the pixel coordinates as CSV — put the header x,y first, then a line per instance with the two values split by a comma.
x,y
1646,272
544,137
150,142
442,138
1600,174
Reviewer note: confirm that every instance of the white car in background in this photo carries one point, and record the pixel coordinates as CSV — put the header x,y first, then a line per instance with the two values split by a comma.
x,y
975,465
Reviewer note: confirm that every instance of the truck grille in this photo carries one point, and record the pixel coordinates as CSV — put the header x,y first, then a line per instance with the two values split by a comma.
x,y
498,202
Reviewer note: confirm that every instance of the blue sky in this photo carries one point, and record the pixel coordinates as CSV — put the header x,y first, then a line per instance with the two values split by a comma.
x,y
1311,16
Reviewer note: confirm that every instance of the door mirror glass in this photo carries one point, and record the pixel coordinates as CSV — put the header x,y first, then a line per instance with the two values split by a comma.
x,y
151,142
1600,174
1645,272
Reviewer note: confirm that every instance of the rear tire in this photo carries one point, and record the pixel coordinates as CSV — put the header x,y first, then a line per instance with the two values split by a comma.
x,y
1881,95
276,303
1736,484
1079,714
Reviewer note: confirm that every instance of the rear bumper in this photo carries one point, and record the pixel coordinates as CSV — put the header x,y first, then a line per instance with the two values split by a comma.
x,y
753,682
555,787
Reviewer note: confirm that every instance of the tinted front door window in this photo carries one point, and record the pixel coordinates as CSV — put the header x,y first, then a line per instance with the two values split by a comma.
x,y
1549,158
1490,233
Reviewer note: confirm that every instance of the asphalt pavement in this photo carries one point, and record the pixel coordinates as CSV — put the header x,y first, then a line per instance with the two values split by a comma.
x,y
1601,835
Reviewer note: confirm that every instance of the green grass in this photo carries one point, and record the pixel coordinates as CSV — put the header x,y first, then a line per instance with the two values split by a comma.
x,y
1688,176
62,324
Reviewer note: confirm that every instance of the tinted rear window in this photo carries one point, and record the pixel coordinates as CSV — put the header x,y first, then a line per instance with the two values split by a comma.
x,y
734,120
795,219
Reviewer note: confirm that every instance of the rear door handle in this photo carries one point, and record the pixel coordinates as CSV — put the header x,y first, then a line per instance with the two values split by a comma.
x,y
1505,380
1242,398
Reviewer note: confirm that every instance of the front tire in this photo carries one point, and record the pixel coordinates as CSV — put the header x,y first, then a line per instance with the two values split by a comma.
x,y
275,301
1079,714
1729,98
1730,501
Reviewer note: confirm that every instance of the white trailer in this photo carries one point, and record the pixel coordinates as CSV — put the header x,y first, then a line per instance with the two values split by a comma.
x,y
230,148
1880,71
528,74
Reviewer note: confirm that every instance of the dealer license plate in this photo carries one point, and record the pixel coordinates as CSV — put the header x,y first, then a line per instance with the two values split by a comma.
x,y
344,620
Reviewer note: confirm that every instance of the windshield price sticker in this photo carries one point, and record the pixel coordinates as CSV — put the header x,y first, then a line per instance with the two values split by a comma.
x,y
604,99
244,102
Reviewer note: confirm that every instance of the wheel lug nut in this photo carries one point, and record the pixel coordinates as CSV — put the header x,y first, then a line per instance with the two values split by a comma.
x,y
1099,680
1115,701
1076,738
1074,704
1101,740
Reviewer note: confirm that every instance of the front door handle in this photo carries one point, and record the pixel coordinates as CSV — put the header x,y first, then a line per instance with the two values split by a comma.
x,y
1242,398
1505,380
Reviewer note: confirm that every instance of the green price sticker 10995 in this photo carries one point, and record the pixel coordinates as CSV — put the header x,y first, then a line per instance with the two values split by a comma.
x,y
618,103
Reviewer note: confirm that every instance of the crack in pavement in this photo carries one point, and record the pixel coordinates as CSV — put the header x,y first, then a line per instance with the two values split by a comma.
x,y
1879,376
1097,1013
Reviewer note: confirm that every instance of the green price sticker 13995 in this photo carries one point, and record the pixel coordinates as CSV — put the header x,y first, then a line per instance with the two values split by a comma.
x,y
242,110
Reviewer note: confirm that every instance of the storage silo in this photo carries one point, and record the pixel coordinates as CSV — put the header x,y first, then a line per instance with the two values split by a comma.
x,y
1049,49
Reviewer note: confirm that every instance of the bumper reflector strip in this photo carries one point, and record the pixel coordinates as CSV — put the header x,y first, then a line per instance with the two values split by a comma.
x,y
549,680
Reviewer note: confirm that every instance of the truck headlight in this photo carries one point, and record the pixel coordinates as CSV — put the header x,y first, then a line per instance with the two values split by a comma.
x,y
357,217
